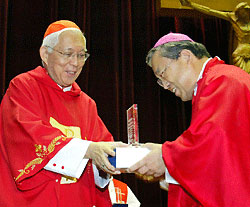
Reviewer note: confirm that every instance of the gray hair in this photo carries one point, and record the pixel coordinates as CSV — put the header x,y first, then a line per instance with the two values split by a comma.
x,y
52,39
172,50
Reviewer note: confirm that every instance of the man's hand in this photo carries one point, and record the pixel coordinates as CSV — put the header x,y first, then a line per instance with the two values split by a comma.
x,y
185,3
152,164
99,151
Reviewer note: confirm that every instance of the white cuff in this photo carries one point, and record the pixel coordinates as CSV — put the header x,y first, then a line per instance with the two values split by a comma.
x,y
169,178
69,160
100,181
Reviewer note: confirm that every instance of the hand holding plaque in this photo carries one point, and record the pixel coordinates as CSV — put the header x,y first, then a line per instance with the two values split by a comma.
x,y
128,156
151,168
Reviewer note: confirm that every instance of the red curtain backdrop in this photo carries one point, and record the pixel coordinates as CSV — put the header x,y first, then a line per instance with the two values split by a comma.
x,y
119,34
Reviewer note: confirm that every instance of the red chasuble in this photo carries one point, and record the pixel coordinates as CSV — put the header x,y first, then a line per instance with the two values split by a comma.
x,y
28,141
211,159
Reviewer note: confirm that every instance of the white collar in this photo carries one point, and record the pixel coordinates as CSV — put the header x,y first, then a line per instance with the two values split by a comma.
x,y
200,75
66,88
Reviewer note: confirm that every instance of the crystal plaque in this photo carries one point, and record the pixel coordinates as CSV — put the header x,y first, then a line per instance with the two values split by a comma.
x,y
132,124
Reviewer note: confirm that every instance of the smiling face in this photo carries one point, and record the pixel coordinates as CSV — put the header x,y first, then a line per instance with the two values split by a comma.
x,y
178,76
64,71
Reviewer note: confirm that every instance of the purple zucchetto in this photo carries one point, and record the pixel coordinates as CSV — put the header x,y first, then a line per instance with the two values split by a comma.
x,y
172,37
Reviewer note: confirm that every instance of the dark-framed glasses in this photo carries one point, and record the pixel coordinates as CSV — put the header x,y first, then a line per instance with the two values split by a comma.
x,y
81,56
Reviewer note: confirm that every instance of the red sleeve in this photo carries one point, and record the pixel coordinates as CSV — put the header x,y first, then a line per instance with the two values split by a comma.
x,y
211,158
29,140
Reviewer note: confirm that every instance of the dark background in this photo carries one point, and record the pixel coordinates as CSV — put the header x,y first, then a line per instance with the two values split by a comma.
x,y
119,34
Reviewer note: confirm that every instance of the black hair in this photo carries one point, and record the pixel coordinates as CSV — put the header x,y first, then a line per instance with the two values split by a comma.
x,y
172,50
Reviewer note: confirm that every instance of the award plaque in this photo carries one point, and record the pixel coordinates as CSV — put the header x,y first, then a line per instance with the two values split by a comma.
x,y
132,124
127,156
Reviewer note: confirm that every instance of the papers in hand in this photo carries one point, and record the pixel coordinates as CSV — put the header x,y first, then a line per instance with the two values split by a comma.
x,y
128,156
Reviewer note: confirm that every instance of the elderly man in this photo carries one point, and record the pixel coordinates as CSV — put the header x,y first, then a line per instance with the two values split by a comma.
x,y
208,165
53,142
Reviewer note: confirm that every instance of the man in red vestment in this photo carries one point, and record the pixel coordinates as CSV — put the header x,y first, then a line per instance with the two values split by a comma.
x,y
53,143
209,163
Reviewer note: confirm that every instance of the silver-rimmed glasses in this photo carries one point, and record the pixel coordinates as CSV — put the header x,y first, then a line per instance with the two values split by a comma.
x,y
81,56
166,85
163,84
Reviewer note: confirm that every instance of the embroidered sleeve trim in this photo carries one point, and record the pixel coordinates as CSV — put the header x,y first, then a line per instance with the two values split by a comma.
x,y
42,152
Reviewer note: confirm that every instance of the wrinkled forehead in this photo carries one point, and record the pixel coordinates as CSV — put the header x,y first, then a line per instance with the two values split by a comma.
x,y
72,37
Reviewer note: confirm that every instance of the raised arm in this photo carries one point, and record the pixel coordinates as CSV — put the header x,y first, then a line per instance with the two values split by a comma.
x,y
205,10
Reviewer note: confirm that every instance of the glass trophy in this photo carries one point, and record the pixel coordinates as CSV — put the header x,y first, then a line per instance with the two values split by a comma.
x,y
132,124
127,156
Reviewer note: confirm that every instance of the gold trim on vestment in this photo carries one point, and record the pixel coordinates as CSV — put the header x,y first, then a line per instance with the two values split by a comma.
x,y
41,151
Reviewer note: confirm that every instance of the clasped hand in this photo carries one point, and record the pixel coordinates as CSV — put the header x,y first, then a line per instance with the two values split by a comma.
x,y
152,164
99,151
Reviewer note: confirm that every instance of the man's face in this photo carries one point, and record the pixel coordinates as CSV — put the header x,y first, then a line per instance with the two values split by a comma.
x,y
62,69
175,75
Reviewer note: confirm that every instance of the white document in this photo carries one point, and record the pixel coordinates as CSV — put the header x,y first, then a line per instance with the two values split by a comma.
x,y
128,156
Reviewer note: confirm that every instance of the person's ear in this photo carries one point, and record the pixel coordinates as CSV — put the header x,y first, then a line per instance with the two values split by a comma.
x,y
44,54
186,55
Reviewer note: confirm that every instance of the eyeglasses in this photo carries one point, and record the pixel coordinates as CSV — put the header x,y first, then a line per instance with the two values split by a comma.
x,y
163,84
82,56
